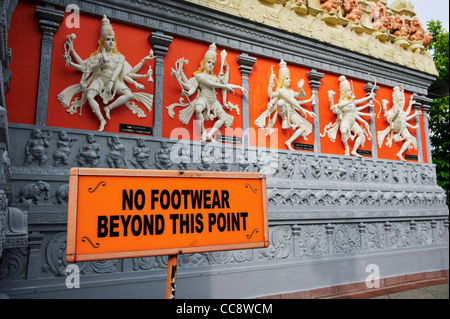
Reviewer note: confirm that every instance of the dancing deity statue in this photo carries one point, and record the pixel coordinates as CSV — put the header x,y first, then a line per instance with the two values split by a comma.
x,y
105,74
348,116
204,83
283,102
398,118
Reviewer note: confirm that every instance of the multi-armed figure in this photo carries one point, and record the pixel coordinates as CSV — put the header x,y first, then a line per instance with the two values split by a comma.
x,y
105,74
206,106
283,102
348,116
397,118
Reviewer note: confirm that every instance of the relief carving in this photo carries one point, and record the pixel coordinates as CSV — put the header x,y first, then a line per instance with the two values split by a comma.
x,y
89,154
36,148
116,157
106,74
33,192
204,83
346,239
397,118
313,240
284,102
141,155
348,118
64,144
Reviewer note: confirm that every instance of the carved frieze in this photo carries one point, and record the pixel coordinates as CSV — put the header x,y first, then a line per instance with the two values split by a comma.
x,y
296,241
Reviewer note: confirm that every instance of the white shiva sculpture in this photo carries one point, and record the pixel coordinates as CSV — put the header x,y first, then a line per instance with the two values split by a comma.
x,y
398,118
105,74
348,115
204,83
283,101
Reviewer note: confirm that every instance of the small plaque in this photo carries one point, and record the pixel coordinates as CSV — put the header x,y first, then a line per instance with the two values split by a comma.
x,y
136,129
411,157
229,139
364,153
303,147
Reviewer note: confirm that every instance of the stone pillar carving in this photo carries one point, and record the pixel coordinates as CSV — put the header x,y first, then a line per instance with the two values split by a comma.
x,y
434,231
5,77
314,82
414,235
6,10
160,45
416,108
329,228
425,104
362,230
35,242
446,228
387,228
246,63
3,212
296,235
368,89
49,19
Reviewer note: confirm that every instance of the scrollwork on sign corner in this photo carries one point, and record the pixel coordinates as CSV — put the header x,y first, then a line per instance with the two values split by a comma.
x,y
92,190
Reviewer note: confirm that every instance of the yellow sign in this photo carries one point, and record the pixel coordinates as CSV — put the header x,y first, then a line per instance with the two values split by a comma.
x,y
119,213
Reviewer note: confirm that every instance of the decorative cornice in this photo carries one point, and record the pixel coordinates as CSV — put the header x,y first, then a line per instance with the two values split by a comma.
x,y
246,63
424,102
49,19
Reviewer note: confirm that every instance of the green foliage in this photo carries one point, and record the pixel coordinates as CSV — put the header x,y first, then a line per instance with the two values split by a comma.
x,y
439,112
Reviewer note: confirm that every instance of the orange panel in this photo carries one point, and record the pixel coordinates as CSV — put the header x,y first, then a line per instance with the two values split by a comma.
x,y
424,146
24,39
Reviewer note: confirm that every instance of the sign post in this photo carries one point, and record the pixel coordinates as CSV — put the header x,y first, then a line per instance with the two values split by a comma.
x,y
120,213
171,277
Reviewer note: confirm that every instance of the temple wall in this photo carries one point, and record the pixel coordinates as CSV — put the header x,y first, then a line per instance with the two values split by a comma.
x,y
330,215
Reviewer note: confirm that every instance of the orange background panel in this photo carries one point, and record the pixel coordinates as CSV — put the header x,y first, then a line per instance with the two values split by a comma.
x,y
194,53
258,97
425,147
24,39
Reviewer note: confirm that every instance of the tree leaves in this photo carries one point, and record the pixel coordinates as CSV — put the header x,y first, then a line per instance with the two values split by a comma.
x,y
439,112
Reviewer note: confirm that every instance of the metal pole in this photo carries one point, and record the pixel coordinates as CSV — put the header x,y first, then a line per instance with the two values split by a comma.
x,y
171,277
